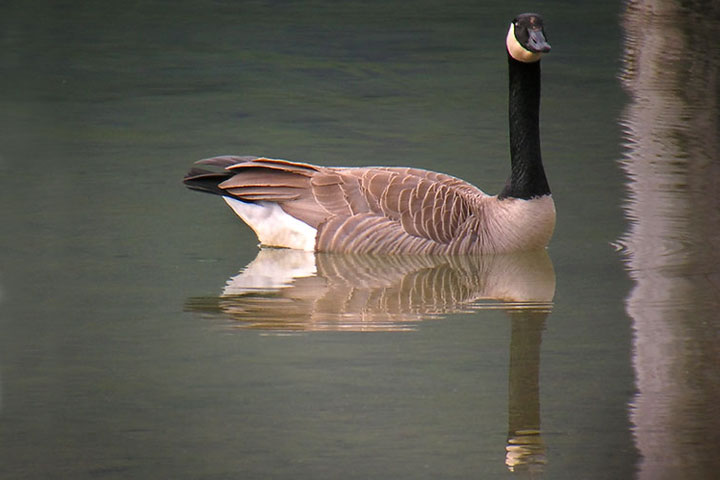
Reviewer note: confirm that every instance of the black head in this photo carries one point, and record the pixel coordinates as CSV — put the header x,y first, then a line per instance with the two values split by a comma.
x,y
526,39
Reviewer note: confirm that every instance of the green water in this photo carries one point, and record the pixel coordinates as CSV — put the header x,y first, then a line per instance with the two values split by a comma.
x,y
120,357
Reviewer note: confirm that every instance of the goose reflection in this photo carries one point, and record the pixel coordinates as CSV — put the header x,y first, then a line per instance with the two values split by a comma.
x,y
291,290
303,291
672,126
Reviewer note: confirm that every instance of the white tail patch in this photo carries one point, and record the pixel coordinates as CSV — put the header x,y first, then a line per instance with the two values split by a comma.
x,y
272,269
273,226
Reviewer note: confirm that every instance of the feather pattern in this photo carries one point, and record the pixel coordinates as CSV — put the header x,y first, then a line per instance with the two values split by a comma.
x,y
383,210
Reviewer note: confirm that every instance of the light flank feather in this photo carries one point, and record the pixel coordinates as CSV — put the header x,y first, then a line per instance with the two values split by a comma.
x,y
386,210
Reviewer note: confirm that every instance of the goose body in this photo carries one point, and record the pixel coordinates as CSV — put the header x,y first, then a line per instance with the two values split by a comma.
x,y
392,210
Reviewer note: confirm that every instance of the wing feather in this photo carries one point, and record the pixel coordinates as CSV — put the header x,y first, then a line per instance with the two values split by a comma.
x,y
326,188
373,209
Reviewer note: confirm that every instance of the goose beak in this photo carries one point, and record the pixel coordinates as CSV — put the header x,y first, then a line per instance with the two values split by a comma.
x,y
537,42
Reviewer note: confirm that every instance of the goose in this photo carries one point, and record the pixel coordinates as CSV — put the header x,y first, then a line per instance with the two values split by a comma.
x,y
398,210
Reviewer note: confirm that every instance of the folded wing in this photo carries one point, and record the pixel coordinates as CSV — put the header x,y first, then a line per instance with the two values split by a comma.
x,y
369,209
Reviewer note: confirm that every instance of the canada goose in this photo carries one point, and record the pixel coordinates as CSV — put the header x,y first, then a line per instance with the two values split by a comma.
x,y
393,210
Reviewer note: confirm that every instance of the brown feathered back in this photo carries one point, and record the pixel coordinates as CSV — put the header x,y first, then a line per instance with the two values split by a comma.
x,y
370,209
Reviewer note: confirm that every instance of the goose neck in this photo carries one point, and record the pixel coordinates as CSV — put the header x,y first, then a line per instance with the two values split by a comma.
x,y
527,178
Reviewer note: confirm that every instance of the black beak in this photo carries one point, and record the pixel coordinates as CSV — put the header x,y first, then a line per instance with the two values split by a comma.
x,y
537,42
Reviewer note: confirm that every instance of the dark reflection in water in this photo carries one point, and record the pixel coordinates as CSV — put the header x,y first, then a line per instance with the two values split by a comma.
x,y
672,126
290,290
525,450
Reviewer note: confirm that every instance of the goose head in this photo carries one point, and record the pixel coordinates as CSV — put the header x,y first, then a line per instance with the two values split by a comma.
x,y
526,41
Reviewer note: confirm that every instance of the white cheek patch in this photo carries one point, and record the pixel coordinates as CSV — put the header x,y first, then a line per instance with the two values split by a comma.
x,y
517,51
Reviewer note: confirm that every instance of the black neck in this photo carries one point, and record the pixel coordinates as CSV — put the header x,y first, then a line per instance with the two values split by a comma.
x,y
527,178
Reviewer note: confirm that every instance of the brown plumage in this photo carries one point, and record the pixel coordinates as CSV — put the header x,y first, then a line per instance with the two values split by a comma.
x,y
379,209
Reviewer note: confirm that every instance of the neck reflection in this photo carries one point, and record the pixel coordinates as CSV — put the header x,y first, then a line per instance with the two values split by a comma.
x,y
525,450
291,290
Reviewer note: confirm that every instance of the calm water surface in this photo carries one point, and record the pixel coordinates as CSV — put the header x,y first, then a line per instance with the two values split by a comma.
x,y
144,335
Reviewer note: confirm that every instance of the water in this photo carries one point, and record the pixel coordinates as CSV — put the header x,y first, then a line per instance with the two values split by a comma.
x,y
672,130
136,343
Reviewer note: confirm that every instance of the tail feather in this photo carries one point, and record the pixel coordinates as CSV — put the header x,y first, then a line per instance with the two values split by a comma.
x,y
226,161
206,181
279,178
274,164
